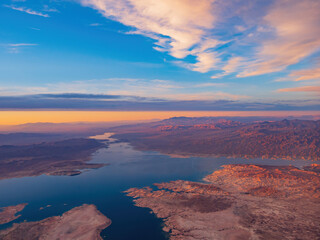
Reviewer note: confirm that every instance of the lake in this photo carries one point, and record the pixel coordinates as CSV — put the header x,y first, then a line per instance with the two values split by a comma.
x,y
104,188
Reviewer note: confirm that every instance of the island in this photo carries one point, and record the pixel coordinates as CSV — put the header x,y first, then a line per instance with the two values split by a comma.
x,y
82,223
68,157
239,202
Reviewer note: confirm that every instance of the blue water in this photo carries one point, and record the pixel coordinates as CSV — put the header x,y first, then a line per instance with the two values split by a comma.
x,y
104,187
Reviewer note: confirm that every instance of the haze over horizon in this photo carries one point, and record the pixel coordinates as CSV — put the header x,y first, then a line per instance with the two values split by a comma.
x,y
124,117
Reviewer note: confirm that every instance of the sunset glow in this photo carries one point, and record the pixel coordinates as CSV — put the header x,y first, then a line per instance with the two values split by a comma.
x,y
168,55
21,117
159,119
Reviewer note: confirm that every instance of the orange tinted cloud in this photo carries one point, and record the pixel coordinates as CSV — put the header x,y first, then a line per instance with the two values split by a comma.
x,y
176,25
281,32
296,26
307,74
315,89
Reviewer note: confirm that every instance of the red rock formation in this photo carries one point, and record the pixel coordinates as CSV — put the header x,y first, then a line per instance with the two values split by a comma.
x,y
239,202
8,214
282,139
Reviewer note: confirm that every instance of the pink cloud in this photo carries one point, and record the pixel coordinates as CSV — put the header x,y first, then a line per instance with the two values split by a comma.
x,y
177,25
296,26
281,33
306,74
315,89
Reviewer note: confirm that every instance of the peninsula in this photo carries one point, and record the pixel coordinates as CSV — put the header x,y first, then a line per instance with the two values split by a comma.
x,y
239,202
67,157
82,223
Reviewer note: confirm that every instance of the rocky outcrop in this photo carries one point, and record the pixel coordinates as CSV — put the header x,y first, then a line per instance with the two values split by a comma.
x,y
8,214
238,202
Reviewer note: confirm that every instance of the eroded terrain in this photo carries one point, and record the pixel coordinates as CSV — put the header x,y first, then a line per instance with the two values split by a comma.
x,y
8,214
287,139
82,223
239,202
67,157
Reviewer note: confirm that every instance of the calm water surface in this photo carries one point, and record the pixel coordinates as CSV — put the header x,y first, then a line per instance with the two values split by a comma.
x,y
104,187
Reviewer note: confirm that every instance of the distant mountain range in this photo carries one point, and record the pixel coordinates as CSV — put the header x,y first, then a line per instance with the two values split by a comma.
x,y
67,157
289,139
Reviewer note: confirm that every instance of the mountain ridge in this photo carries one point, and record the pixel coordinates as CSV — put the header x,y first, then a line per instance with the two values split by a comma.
x,y
289,139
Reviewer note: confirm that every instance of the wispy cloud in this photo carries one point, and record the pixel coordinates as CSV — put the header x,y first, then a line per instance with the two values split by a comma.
x,y
36,29
79,96
210,84
310,74
306,74
230,66
315,89
95,24
206,96
263,36
294,34
20,90
21,44
151,89
16,47
233,64
27,10
179,27
47,8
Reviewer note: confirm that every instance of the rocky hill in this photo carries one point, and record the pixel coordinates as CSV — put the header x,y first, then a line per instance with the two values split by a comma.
x,y
290,139
67,157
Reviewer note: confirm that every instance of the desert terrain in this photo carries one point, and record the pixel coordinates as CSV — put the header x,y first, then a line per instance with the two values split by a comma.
x,y
239,202
8,214
67,157
82,223
286,139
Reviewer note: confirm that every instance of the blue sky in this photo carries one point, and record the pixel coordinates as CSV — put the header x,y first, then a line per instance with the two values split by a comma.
x,y
148,50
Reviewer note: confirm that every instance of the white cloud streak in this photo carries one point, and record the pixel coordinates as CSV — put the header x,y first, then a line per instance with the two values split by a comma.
x,y
27,10
144,88
21,44
16,47
310,89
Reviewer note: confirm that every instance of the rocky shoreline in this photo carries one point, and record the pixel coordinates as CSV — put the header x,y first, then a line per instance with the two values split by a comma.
x,y
238,202
81,223
8,214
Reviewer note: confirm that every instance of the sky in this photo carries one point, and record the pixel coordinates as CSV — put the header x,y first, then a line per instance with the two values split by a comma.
x,y
158,55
